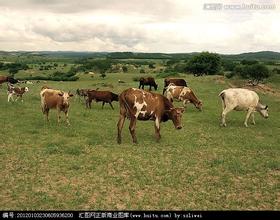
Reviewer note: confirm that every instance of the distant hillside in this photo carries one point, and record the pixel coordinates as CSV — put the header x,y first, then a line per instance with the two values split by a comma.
x,y
262,55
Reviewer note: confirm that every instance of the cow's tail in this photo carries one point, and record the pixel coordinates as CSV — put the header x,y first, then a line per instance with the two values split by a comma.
x,y
222,95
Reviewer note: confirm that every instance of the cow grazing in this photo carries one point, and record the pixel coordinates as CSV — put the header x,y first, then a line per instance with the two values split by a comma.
x,y
176,82
8,79
101,96
242,100
136,104
55,99
149,81
16,91
182,93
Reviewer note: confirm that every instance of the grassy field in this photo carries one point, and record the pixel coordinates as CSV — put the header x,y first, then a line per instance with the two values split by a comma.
x,y
203,166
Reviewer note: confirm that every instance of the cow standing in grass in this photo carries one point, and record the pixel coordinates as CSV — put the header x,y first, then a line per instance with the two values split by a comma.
x,y
149,81
16,91
136,104
184,94
101,96
242,100
55,99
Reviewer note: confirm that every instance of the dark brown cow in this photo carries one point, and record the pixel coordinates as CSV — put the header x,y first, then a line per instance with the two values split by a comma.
x,y
136,104
8,79
149,81
176,82
101,96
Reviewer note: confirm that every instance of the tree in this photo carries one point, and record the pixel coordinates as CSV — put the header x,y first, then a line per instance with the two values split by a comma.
x,y
204,63
257,73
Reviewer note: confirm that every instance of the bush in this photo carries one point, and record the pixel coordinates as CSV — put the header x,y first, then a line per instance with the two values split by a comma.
x,y
142,71
204,63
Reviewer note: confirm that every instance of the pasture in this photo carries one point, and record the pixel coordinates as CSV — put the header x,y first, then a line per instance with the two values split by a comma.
x,y
200,167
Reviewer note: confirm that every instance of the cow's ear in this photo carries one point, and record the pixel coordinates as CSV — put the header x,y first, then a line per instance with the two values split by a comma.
x,y
60,94
70,94
266,107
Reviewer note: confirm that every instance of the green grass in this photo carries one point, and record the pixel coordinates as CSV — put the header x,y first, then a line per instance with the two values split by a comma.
x,y
203,166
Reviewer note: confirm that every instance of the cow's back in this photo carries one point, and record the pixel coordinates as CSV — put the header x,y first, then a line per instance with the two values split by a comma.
x,y
50,98
242,98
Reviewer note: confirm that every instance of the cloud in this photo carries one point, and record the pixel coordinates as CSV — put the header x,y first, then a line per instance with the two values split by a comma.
x,y
130,25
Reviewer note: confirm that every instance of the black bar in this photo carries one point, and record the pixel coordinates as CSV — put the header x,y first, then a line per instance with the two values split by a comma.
x,y
271,215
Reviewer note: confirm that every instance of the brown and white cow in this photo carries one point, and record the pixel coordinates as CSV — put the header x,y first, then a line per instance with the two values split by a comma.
x,y
136,104
182,93
149,81
101,96
16,91
55,99
176,82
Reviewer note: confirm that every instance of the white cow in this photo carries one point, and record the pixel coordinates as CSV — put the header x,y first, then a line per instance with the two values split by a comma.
x,y
242,100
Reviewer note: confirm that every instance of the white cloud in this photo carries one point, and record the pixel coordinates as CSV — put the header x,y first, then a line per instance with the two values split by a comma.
x,y
130,25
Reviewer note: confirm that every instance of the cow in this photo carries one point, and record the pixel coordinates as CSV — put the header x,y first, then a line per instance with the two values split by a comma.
x,y
8,79
149,81
137,104
101,96
176,82
240,99
184,94
16,91
55,99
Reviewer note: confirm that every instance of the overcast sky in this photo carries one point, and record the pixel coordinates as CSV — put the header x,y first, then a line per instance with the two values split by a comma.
x,y
138,25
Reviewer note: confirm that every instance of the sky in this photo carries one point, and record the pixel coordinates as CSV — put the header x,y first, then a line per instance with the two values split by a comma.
x,y
167,26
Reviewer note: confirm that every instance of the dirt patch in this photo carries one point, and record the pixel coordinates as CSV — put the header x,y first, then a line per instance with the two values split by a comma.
x,y
265,89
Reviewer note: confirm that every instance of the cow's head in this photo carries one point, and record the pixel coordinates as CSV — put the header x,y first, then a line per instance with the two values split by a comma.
x,y
66,96
175,114
263,110
26,89
198,105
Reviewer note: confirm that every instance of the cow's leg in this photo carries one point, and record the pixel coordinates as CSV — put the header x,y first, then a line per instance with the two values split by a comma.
x,y
150,88
46,112
66,117
157,129
185,103
249,112
58,116
10,96
224,113
132,127
103,104
120,124
139,86
253,118
111,105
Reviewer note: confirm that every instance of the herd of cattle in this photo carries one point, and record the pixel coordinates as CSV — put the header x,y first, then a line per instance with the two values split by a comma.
x,y
138,104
